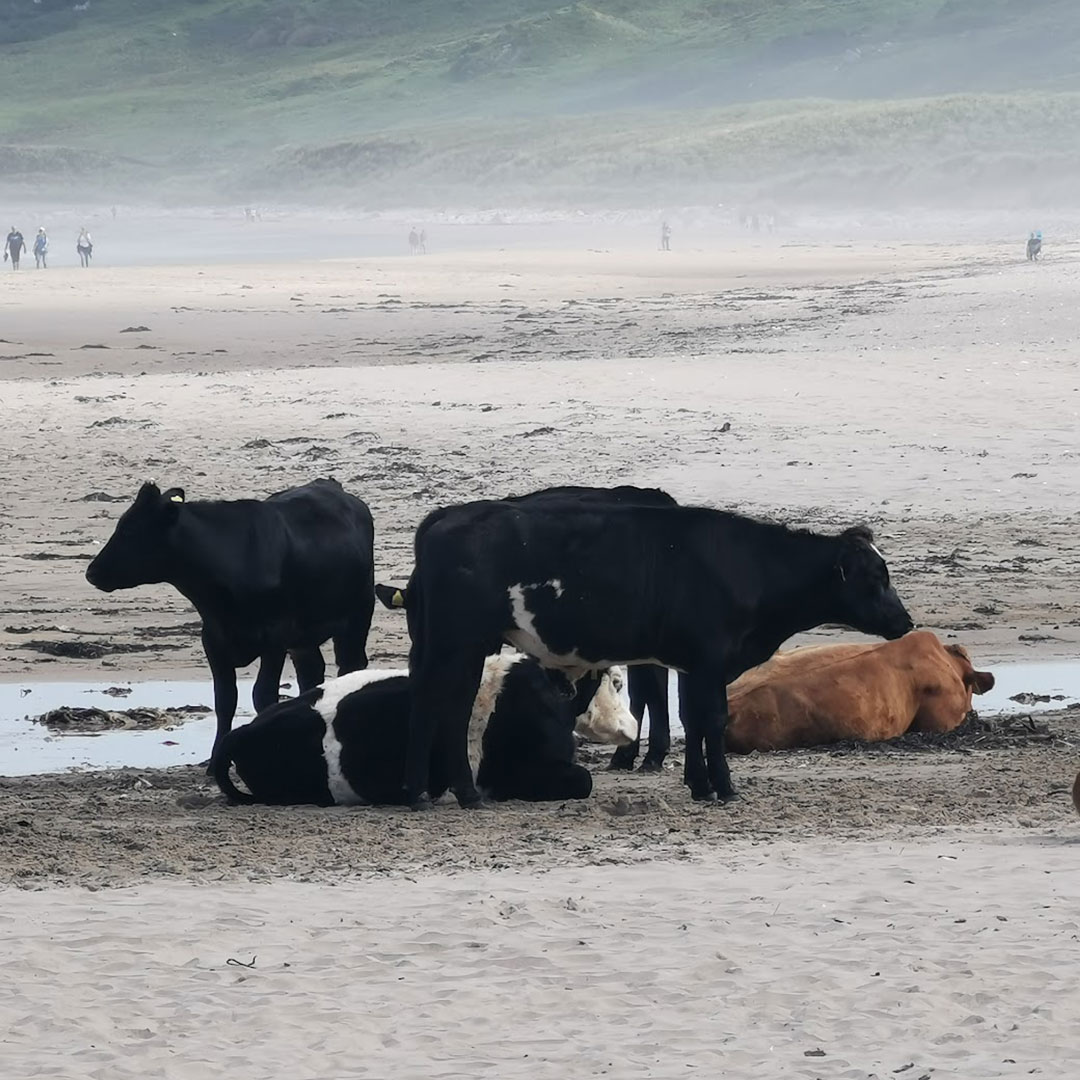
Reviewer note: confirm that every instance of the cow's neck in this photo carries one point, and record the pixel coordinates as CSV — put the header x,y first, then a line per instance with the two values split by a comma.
x,y
799,596
196,564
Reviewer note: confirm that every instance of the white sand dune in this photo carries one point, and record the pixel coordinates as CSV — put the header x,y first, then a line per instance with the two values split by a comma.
x,y
823,959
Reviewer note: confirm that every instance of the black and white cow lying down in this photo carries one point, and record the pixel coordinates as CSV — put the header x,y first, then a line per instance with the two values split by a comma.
x,y
583,586
344,743
267,577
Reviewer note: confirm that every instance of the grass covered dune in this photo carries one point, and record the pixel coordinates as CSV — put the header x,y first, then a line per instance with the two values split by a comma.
x,y
376,102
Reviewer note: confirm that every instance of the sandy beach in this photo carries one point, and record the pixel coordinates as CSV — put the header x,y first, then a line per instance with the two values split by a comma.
x,y
857,913
802,958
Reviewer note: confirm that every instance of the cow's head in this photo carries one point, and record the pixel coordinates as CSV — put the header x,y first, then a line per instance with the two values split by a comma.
x,y
978,682
607,719
137,551
868,602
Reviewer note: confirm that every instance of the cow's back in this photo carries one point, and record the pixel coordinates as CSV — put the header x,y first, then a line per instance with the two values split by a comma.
x,y
319,572
599,581
322,518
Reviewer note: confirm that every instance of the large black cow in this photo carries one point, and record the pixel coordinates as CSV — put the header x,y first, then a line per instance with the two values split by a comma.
x,y
344,743
270,577
582,587
647,683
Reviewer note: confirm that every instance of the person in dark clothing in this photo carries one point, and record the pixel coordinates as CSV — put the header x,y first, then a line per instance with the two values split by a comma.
x,y
14,246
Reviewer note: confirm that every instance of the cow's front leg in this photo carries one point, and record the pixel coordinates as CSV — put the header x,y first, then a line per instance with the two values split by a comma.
x,y
624,757
267,688
659,721
224,676
711,706
706,775
443,691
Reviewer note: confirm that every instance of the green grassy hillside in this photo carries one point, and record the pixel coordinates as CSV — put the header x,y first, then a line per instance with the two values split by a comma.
x,y
376,101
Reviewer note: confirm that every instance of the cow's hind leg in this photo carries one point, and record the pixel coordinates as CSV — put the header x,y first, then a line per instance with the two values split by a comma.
x,y
309,666
267,688
443,692
350,646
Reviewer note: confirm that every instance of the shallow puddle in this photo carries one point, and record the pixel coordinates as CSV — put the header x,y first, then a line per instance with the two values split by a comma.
x,y
27,748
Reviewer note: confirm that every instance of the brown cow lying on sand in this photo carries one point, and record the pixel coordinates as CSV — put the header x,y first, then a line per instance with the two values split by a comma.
x,y
825,693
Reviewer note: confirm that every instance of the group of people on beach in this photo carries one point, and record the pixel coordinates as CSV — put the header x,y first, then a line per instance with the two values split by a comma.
x,y
15,246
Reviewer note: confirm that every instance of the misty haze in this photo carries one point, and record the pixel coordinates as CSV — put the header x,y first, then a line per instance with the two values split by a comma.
x,y
775,773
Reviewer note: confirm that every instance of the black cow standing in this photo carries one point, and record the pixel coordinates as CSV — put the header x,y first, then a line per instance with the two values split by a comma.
x,y
647,684
581,587
270,577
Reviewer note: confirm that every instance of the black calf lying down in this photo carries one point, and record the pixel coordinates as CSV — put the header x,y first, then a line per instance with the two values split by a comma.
x,y
343,743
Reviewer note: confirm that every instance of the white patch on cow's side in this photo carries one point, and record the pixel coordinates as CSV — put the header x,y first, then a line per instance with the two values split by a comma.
x,y
333,690
607,719
527,639
341,791
491,684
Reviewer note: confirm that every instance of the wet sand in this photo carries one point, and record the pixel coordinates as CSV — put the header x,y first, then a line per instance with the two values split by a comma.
x,y
891,908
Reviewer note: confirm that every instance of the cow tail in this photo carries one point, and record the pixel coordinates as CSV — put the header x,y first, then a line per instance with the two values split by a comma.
x,y
222,765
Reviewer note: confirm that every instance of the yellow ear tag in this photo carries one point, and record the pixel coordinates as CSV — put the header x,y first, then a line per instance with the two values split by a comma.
x,y
176,498
398,599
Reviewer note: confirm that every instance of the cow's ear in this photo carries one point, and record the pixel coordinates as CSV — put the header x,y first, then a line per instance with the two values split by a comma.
x,y
174,495
390,597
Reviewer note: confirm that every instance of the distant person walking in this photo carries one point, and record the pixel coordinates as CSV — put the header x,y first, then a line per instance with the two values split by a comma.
x,y
414,242
41,249
84,246
14,246
665,237
423,241
1034,245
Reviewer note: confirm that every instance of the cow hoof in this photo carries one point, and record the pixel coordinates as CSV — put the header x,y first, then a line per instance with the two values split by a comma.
x,y
704,796
422,803
621,762
652,765
478,804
